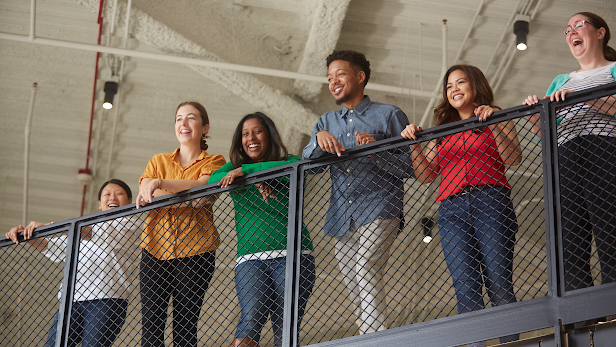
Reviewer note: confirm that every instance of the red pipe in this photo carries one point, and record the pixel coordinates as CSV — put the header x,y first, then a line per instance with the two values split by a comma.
x,y
100,30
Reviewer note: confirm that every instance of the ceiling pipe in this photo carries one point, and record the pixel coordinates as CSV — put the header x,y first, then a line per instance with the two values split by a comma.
x,y
32,19
206,63
501,71
127,26
439,83
24,217
502,37
112,22
100,30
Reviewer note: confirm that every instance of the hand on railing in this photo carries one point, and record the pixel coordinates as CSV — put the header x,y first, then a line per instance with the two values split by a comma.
x,y
425,166
230,177
39,244
505,135
329,143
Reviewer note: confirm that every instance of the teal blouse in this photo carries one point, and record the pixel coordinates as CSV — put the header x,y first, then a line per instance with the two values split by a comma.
x,y
261,226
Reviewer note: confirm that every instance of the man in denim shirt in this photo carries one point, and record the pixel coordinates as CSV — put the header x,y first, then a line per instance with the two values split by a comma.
x,y
365,209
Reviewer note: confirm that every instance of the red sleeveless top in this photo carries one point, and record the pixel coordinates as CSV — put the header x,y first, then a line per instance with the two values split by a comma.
x,y
469,158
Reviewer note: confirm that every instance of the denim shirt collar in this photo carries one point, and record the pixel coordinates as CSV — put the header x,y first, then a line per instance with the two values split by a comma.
x,y
359,108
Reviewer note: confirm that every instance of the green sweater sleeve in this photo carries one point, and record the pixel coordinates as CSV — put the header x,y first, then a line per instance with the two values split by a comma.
x,y
252,168
220,173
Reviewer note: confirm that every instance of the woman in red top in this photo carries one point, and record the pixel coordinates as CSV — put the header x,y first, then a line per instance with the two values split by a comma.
x,y
477,222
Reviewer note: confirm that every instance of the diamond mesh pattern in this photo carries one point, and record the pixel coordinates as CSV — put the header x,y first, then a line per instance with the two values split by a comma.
x,y
587,174
183,281
417,282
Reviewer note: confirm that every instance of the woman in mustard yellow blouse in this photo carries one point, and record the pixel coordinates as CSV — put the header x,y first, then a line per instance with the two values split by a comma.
x,y
179,242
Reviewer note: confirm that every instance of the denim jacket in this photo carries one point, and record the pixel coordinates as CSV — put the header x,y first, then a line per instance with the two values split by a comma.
x,y
363,189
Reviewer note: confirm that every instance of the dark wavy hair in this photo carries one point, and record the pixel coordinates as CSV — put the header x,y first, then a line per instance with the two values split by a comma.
x,y
205,120
595,20
445,113
355,59
277,150
118,182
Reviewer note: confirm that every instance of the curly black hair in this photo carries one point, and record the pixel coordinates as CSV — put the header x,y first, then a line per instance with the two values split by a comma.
x,y
355,59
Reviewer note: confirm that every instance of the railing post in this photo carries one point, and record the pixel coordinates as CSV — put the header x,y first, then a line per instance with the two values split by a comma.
x,y
549,150
290,333
68,284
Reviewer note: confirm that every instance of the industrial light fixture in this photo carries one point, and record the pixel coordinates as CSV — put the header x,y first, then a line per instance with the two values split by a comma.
x,y
427,223
520,29
111,89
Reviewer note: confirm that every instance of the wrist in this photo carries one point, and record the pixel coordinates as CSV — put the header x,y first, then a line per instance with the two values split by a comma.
x,y
159,183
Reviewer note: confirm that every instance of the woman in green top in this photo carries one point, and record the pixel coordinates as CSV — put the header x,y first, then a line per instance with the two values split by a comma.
x,y
261,218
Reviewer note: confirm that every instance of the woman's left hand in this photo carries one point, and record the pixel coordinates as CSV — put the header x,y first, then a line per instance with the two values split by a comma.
x,y
483,112
230,177
266,191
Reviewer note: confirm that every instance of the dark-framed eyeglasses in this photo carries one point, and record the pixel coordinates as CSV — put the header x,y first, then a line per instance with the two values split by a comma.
x,y
577,25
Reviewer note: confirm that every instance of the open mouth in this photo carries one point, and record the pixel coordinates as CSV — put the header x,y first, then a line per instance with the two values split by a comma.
x,y
458,96
254,146
113,205
576,42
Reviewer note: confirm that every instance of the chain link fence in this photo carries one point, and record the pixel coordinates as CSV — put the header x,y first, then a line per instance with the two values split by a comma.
x,y
327,249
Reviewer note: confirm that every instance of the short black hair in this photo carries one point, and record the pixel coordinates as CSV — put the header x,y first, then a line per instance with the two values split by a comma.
x,y
355,59
118,182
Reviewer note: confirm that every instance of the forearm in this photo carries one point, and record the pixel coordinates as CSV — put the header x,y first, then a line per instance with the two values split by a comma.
x,y
39,244
508,144
607,105
425,171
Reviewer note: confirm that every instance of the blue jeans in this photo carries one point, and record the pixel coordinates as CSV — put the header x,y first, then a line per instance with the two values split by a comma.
x,y
260,291
477,235
94,323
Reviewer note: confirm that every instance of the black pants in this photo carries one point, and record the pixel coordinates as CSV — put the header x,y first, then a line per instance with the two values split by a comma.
x,y
186,280
587,167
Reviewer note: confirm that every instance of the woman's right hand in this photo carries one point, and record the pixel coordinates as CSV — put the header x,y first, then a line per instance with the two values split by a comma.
x,y
409,133
28,230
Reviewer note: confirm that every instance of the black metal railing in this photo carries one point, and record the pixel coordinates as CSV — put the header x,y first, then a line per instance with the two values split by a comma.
x,y
422,302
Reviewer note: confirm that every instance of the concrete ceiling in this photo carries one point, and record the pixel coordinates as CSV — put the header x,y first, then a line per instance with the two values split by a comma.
x,y
401,38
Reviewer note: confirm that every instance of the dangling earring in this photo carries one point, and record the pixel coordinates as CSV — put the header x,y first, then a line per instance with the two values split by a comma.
x,y
204,138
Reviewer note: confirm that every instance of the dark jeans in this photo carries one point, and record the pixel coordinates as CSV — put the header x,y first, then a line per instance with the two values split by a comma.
x,y
477,235
94,323
587,171
260,290
186,280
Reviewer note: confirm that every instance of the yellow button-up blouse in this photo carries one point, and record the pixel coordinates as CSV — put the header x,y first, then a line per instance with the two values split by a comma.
x,y
180,231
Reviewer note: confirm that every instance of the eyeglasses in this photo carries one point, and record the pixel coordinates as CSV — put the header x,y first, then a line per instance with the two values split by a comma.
x,y
577,25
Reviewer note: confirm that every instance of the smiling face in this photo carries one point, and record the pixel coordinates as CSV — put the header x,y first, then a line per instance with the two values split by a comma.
x,y
585,41
460,93
255,139
113,196
345,82
188,125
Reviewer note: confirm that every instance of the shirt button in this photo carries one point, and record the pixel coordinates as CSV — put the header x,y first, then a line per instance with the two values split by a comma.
x,y
348,134
348,170
350,120
351,111
350,201
315,144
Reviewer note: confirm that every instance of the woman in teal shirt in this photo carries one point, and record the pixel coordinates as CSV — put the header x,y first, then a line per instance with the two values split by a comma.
x,y
261,219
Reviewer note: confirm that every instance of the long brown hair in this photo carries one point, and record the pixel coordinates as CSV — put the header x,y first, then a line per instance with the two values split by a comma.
x,y
445,113
277,149
205,120
595,20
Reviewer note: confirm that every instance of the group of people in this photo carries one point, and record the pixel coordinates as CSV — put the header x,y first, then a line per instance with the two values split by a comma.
x,y
477,222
